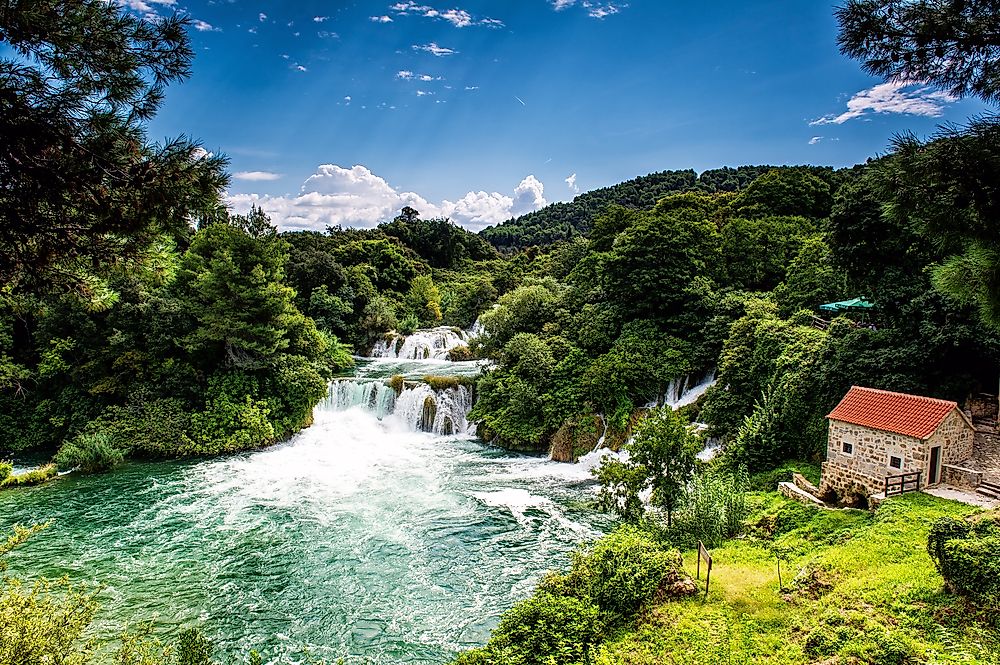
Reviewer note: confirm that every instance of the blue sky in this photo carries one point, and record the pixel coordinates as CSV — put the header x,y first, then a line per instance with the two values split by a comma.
x,y
341,112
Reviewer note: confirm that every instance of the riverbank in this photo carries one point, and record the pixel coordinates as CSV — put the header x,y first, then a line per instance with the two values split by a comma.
x,y
857,587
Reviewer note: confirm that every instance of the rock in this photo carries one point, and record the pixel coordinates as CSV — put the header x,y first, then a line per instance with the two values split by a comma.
x,y
576,437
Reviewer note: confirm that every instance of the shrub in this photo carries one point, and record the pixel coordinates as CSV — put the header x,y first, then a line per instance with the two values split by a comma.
x,y
714,509
545,629
625,570
461,353
967,554
448,382
90,453
6,470
33,477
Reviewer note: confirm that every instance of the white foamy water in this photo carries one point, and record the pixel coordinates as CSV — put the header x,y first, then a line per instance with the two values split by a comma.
x,y
359,538
429,344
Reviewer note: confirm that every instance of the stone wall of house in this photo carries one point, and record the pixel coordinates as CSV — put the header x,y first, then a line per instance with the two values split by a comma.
x,y
956,438
868,464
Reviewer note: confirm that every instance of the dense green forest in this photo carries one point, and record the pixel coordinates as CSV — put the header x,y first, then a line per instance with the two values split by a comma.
x,y
565,221
139,318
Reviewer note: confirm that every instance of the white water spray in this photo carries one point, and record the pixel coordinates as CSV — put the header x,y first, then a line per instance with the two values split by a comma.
x,y
430,344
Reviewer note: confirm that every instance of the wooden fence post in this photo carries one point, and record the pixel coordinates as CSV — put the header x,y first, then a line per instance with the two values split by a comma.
x,y
703,554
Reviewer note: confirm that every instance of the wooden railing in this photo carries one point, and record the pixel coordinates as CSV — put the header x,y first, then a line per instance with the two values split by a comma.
x,y
904,482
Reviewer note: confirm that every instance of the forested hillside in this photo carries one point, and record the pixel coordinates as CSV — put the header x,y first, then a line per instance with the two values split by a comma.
x,y
565,221
141,319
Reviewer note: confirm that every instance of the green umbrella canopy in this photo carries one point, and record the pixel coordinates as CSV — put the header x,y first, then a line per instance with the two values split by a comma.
x,y
855,304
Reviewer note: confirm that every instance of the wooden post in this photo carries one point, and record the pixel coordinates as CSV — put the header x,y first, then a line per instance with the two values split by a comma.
x,y
703,554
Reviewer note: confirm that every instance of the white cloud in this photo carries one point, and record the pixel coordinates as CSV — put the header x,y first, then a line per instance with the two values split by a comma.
x,y
381,19
426,78
894,97
423,93
300,68
262,17
814,140
571,183
459,18
256,176
320,19
433,48
404,74
357,197
597,10
602,11
472,87
347,100
204,26
528,196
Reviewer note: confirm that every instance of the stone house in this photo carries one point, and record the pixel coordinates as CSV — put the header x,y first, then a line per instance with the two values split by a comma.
x,y
875,434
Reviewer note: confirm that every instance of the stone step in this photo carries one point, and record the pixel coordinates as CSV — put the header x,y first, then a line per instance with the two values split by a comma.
x,y
991,486
989,490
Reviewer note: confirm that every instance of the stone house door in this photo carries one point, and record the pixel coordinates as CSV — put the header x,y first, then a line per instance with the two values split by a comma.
x,y
935,470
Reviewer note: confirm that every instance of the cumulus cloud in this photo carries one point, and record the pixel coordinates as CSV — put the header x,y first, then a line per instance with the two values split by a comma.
x,y
434,49
320,19
571,183
359,198
256,176
381,19
814,140
894,97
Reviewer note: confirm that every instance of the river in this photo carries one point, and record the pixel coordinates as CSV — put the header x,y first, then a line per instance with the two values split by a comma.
x,y
358,538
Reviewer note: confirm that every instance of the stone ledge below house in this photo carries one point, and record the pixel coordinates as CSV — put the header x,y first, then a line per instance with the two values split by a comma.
x,y
796,493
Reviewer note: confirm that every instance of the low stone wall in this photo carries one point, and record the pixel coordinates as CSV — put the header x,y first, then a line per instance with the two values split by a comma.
x,y
796,493
982,407
803,483
960,476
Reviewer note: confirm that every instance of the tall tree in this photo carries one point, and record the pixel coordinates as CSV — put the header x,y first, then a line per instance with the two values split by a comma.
x,y
82,187
954,44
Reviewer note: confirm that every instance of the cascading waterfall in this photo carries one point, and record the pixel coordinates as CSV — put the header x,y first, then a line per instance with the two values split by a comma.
x,y
430,344
418,407
685,390
371,395
444,412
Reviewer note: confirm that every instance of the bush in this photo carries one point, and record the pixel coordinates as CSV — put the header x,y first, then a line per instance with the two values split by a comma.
x,y
6,470
967,554
90,453
33,477
545,629
625,570
714,509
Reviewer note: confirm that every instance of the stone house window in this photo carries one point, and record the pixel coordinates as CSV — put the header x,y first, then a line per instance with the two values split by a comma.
x,y
847,447
895,462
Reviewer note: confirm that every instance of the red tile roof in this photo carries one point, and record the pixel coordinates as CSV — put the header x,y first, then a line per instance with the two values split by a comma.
x,y
910,415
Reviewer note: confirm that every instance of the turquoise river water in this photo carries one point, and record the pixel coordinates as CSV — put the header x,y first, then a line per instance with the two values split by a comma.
x,y
360,538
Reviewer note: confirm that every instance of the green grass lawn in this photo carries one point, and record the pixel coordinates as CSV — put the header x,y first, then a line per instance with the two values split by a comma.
x,y
858,588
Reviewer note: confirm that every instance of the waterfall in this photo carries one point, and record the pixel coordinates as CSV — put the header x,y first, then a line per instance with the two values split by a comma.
x,y
418,407
685,390
371,395
429,344
444,411
603,436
